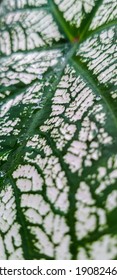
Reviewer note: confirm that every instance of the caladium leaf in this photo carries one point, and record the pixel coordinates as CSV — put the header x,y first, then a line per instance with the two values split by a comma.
x,y
58,129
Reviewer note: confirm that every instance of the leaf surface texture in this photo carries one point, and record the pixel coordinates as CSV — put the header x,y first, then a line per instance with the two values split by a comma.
x,y
58,129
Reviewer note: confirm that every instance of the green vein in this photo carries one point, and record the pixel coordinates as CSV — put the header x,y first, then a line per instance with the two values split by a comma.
x,y
27,240
55,46
88,19
67,29
90,80
99,29
25,9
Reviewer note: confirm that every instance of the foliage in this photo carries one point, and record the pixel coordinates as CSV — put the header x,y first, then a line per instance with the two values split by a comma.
x,y
58,129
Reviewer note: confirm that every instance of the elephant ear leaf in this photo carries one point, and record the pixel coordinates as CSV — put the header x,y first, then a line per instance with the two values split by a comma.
x,y
58,129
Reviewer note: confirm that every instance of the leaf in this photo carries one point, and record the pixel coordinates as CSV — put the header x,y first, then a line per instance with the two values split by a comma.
x,y
58,129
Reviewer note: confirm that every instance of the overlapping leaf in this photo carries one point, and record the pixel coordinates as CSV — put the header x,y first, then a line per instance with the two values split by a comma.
x,y
58,130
